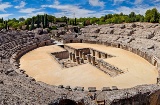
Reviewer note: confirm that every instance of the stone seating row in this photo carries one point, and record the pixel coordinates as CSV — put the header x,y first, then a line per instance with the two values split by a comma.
x,y
90,89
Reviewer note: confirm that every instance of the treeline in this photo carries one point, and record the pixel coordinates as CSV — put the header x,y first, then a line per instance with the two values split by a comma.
x,y
29,23
152,16
49,21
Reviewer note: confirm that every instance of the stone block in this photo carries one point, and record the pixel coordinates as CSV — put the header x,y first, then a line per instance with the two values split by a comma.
x,y
67,87
92,89
60,86
114,88
106,89
80,88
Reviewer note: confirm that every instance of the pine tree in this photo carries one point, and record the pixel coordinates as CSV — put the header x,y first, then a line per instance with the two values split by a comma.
x,y
5,25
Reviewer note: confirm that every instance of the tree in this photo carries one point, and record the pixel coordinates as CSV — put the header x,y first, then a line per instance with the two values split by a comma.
x,y
38,21
32,24
148,15
21,19
45,21
42,19
1,25
155,17
28,21
75,23
6,25
1,20
139,18
132,16
15,20
10,23
27,26
152,16
15,25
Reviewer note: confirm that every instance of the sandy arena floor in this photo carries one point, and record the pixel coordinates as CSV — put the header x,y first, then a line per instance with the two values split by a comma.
x,y
42,66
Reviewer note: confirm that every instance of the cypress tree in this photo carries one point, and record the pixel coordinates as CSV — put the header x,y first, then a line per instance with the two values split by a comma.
x,y
42,21
67,20
27,27
45,21
75,21
2,20
32,24
84,23
5,24
38,21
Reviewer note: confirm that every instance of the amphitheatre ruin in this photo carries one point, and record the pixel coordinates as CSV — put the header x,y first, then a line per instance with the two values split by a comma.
x,y
113,64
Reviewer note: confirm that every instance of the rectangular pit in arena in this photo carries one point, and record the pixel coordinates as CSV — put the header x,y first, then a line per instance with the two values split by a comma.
x,y
75,57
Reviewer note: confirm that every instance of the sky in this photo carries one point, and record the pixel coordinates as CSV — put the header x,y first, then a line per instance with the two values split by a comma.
x,y
73,8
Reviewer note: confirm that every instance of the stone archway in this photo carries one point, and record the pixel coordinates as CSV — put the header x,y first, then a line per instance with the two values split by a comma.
x,y
81,40
45,43
71,41
155,98
118,45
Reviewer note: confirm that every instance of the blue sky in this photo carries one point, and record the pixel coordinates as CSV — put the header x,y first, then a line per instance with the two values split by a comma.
x,y
71,8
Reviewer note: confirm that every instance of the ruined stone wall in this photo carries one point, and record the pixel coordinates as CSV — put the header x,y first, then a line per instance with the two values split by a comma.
x,y
100,54
61,55
108,68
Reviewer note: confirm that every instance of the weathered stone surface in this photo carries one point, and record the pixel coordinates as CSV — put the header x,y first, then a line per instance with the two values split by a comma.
x,y
19,88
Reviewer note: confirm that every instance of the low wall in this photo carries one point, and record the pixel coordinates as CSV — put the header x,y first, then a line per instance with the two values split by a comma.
x,y
100,54
25,49
106,67
61,55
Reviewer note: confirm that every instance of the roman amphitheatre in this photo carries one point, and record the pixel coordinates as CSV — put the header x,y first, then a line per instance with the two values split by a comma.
x,y
96,65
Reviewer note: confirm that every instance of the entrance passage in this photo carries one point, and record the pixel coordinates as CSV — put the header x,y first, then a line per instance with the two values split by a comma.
x,y
81,41
155,63
71,41
67,102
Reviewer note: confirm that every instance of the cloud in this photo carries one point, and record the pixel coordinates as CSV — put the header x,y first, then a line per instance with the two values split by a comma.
x,y
138,1
33,14
22,5
5,16
28,10
68,10
118,1
96,3
139,9
156,0
4,6
56,2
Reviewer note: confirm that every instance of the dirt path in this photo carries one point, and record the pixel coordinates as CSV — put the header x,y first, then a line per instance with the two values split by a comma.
x,y
41,65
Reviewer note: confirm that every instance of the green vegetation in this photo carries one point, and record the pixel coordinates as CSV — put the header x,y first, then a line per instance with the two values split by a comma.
x,y
49,21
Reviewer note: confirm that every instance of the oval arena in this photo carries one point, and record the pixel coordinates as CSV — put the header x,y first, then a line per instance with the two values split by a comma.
x,y
82,64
